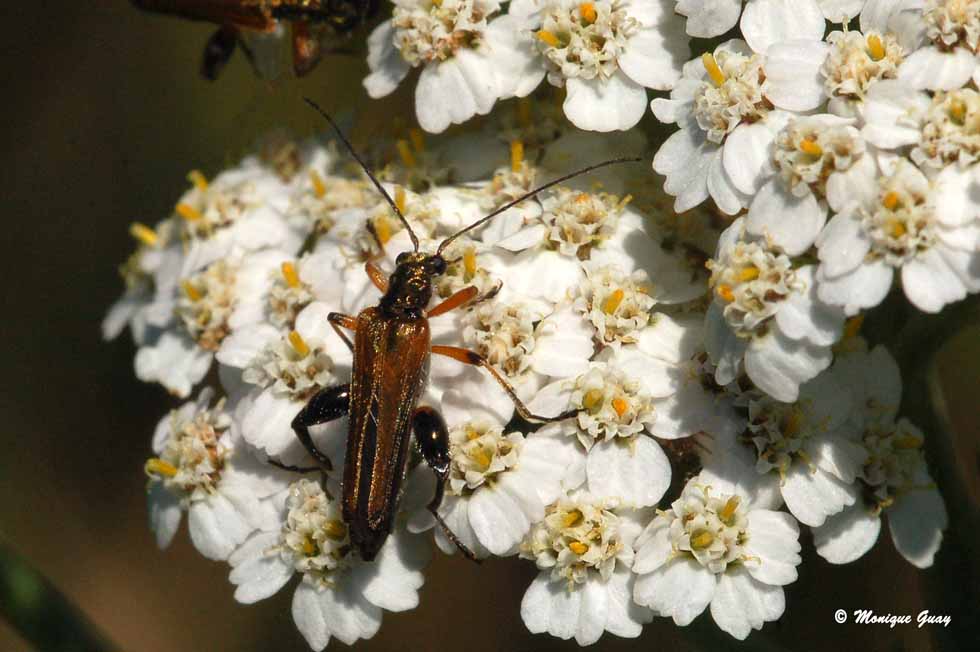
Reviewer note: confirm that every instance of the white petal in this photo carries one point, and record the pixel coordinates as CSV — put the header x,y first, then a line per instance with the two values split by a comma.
x,y
498,518
347,615
727,197
681,589
241,346
216,527
864,287
653,548
892,114
840,11
454,90
930,283
393,580
550,607
765,22
803,316
723,346
685,158
917,520
593,613
936,70
515,63
842,244
747,156
616,103
636,470
309,617
793,79
175,361
256,574
165,513
670,339
653,57
778,365
773,542
388,67
729,467
792,222
624,617
813,495
266,421
847,536
742,603
708,18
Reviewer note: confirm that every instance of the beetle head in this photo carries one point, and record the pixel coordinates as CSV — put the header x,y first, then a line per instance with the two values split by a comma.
x,y
410,285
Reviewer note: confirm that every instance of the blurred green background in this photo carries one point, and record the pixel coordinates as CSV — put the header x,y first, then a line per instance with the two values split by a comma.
x,y
105,115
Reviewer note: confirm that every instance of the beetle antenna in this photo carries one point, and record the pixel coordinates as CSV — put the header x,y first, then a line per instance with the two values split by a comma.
x,y
528,195
367,170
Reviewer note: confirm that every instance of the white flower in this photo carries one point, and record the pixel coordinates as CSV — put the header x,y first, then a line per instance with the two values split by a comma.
x,y
855,63
712,548
461,51
947,56
668,360
204,308
766,317
499,484
942,130
615,414
927,230
722,104
894,474
285,370
340,595
152,270
584,551
815,163
806,451
202,467
605,53
238,212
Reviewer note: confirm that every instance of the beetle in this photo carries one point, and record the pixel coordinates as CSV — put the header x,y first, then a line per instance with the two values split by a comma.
x,y
391,349
239,19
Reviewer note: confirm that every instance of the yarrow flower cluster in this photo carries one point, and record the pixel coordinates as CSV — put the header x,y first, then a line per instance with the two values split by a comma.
x,y
695,353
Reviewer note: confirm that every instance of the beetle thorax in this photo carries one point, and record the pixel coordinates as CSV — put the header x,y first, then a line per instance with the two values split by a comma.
x,y
410,285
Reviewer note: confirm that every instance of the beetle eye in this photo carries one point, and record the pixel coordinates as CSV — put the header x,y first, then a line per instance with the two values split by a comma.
x,y
402,257
438,264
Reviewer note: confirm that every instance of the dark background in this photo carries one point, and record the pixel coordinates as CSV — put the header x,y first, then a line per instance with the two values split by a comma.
x,y
105,115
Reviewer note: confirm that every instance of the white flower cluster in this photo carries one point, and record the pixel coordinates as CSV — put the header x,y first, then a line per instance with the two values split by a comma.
x,y
590,302
706,355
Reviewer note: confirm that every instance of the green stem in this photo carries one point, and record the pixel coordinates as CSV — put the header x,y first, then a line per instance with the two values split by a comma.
x,y
40,613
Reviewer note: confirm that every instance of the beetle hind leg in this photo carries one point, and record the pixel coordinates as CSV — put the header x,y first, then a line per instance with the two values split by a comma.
x,y
326,405
432,438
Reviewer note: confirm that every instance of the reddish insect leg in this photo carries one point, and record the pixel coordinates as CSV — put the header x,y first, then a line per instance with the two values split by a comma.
x,y
473,358
454,301
338,320
378,277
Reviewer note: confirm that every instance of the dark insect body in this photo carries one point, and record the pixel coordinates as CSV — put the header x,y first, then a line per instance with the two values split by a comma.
x,y
310,21
391,349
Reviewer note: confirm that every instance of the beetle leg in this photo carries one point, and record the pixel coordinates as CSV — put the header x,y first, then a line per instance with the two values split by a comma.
x,y
218,51
472,357
291,468
338,320
454,301
432,438
326,405
378,277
